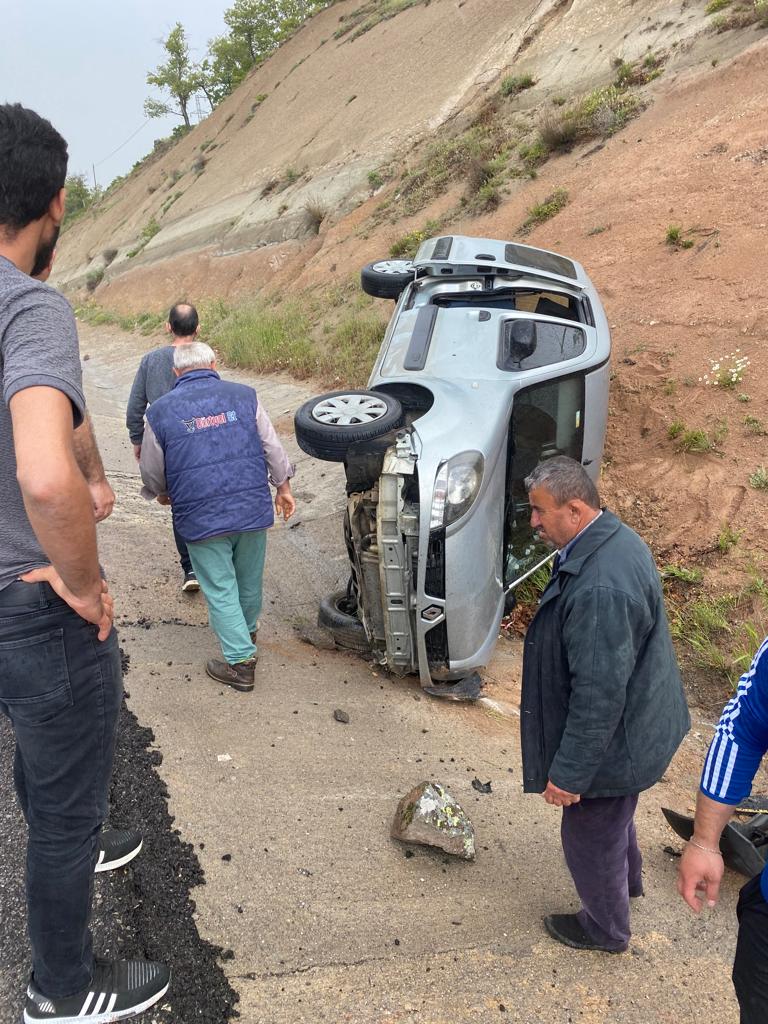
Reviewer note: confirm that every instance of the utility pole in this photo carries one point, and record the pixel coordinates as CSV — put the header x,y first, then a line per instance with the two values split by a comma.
x,y
95,186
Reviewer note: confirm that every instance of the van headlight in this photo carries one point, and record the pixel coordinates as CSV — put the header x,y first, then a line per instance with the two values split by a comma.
x,y
456,485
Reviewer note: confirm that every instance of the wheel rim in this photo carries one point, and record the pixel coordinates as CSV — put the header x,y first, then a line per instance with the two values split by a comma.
x,y
346,410
393,267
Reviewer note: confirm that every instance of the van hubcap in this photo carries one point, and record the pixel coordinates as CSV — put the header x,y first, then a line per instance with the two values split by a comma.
x,y
347,409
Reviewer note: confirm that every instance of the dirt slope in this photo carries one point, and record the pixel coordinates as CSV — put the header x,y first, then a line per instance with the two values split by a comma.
x,y
337,108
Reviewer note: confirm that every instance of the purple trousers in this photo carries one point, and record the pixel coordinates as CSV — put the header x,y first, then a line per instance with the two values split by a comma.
x,y
601,851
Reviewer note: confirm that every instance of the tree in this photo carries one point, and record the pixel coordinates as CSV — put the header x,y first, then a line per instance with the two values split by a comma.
x,y
179,76
256,29
79,197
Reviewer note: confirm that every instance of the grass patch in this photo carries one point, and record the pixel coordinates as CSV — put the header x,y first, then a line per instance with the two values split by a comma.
x,y
513,85
727,538
759,479
548,208
145,323
697,441
148,232
675,429
375,180
316,211
406,246
94,278
371,14
754,426
681,573
716,5
600,114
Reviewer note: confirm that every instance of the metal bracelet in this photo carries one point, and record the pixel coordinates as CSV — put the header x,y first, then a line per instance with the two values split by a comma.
x,y
706,849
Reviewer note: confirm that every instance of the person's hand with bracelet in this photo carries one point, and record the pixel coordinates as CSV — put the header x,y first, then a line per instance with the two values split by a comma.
x,y
701,865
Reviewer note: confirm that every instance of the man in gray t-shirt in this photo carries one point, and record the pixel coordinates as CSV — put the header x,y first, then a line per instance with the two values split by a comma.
x,y
60,674
155,378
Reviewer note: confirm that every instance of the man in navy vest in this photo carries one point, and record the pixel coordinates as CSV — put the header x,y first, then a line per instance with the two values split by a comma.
x,y
210,450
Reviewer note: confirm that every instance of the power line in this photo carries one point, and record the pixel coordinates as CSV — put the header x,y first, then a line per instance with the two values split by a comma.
x,y
122,144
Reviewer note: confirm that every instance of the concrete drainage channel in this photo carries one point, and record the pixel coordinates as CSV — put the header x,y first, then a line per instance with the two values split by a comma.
x,y
143,910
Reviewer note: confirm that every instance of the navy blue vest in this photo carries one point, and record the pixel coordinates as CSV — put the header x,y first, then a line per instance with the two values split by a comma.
x,y
214,459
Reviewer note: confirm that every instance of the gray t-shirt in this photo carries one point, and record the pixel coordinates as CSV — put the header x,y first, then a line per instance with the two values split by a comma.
x,y
38,347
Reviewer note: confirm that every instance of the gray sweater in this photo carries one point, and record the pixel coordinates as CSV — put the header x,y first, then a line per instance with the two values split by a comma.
x,y
154,378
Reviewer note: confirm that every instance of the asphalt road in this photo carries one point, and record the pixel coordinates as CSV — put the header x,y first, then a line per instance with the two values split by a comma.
x,y
309,911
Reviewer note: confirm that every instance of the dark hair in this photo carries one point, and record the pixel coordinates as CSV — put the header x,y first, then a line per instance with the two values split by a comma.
x,y
183,320
33,165
565,479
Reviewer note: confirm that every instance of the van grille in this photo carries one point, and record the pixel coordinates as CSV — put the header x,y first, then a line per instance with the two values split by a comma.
x,y
436,642
434,581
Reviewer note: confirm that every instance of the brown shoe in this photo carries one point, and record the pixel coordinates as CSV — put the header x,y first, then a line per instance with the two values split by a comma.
x,y
239,677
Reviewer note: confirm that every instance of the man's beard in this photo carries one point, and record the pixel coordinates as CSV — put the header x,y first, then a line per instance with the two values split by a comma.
x,y
44,253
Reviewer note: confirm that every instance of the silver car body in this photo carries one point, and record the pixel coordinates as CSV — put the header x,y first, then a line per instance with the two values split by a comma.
x,y
432,596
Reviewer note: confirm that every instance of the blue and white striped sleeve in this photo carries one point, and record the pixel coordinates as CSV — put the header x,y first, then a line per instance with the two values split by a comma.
x,y
741,737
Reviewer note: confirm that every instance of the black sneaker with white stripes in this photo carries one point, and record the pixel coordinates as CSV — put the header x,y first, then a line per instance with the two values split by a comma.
x,y
116,847
119,989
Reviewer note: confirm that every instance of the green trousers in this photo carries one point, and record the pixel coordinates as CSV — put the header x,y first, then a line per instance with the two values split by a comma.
x,y
230,570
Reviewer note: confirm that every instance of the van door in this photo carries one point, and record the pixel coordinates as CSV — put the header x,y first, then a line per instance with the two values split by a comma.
x,y
547,420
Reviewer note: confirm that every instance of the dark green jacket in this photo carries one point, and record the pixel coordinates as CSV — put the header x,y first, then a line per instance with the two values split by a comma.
x,y
603,709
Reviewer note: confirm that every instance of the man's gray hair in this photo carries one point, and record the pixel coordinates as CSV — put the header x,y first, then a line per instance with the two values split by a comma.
x,y
565,479
193,355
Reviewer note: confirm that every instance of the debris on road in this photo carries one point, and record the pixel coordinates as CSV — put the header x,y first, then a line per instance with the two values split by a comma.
x,y
429,815
341,716
481,787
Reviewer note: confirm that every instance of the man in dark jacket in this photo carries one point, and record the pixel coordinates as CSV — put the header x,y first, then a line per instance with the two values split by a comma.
x,y
155,378
603,709
210,450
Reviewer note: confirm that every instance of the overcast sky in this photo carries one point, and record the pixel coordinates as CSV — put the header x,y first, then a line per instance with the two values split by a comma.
x,y
84,66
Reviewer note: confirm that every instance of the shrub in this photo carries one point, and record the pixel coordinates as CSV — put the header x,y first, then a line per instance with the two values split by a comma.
x,y
727,538
511,85
673,235
375,180
695,441
546,209
198,164
108,255
675,429
533,154
94,278
759,479
316,211
407,245
716,5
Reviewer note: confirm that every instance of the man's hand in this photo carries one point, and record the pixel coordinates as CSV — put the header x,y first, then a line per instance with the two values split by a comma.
x,y
103,499
699,875
560,797
97,608
163,499
285,503
137,452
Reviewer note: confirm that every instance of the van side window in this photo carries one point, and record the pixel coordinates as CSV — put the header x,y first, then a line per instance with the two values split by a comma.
x,y
528,344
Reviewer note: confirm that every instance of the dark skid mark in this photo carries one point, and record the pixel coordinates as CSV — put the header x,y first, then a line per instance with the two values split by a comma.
x,y
156,892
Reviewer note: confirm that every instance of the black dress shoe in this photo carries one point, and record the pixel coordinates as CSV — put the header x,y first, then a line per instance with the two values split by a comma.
x,y
566,929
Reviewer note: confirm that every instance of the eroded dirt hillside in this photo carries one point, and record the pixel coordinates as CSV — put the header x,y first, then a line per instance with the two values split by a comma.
x,y
321,162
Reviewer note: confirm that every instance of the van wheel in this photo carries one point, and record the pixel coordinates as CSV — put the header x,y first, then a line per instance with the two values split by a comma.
x,y
335,614
385,279
326,426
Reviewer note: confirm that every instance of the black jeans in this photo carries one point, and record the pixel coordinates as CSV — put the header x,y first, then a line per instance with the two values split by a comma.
x,y
750,968
181,547
61,689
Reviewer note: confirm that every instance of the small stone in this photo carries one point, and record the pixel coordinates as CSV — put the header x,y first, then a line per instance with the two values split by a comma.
x,y
481,787
429,815
341,716
227,857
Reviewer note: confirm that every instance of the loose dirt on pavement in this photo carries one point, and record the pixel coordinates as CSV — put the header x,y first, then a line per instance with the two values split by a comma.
x,y
288,810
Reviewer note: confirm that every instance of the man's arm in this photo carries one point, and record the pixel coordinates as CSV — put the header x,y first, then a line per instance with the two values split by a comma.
x,y
152,466
137,406
734,755
600,636
57,500
280,468
89,460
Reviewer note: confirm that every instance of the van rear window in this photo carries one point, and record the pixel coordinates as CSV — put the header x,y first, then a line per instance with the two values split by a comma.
x,y
528,344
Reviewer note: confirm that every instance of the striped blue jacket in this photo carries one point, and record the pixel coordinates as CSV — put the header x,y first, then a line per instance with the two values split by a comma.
x,y
741,737
740,741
